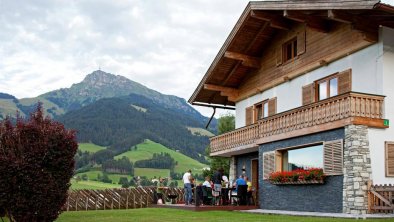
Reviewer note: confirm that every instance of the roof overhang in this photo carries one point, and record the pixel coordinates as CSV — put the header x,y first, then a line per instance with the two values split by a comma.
x,y
243,49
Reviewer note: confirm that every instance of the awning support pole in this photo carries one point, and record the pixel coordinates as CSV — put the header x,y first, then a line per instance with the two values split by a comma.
x,y
213,114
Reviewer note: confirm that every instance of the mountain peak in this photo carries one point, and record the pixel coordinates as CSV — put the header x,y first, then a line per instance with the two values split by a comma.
x,y
100,78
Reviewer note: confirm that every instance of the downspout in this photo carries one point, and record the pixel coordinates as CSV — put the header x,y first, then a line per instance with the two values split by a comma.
x,y
213,114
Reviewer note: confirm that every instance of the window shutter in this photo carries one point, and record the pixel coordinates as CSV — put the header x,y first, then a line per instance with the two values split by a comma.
x,y
249,115
333,157
268,164
308,94
345,81
272,106
278,55
301,42
389,159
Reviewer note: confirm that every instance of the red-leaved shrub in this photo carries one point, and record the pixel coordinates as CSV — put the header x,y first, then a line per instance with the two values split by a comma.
x,y
36,164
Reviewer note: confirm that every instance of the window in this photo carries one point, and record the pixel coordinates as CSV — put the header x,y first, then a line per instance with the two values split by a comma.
x,y
303,158
264,109
260,110
389,154
327,87
289,50
327,155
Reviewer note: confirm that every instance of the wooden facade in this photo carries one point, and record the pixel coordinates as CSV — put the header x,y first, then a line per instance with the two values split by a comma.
x,y
335,112
252,58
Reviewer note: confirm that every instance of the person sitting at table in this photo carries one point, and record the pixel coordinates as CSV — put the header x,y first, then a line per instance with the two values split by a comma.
x,y
207,182
239,181
249,190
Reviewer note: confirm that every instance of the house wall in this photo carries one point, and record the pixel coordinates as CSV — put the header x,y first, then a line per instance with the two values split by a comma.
x,y
245,161
319,198
377,137
364,65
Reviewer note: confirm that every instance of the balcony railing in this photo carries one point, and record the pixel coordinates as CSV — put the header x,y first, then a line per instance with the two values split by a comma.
x,y
334,109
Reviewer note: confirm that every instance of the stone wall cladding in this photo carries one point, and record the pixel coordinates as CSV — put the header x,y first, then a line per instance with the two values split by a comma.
x,y
316,198
245,160
357,169
312,198
233,168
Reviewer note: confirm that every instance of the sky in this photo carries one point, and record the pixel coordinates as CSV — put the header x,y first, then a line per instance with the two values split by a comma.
x,y
166,45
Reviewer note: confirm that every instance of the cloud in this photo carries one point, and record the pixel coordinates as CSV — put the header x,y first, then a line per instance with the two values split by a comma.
x,y
165,45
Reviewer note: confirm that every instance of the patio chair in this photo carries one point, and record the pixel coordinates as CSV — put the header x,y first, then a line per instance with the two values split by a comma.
x,y
207,195
241,195
217,196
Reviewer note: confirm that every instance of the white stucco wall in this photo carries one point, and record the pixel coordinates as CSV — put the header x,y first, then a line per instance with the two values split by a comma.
x,y
377,137
289,95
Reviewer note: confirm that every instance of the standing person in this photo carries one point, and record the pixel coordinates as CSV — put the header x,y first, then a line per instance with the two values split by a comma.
x,y
217,182
225,198
188,187
160,190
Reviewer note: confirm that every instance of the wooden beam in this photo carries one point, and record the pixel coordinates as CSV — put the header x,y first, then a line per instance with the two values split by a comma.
x,y
248,61
231,93
313,22
219,88
275,21
338,16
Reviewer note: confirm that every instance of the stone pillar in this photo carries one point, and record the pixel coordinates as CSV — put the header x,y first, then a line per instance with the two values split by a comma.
x,y
357,169
233,169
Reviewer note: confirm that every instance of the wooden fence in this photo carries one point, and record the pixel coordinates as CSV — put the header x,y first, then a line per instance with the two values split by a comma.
x,y
380,198
122,198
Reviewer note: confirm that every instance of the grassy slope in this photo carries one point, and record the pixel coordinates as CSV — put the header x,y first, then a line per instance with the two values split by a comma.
x,y
8,107
90,147
200,131
146,150
174,215
92,185
46,103
92,175
150,173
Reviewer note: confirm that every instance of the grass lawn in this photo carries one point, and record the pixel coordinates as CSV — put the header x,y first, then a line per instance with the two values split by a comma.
x,y
90,147
92,185
151,172
173,215
92,175
146,150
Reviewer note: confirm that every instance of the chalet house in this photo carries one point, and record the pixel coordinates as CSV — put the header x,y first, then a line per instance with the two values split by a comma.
x,y
311,83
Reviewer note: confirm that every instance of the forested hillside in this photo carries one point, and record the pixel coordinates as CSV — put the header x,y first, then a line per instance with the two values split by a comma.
x,y
120,123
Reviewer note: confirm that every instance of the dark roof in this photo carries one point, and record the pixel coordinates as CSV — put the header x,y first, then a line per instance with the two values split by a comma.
x,y
251,35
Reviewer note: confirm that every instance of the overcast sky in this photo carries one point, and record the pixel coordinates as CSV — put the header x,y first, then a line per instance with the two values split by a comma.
x,y
166,45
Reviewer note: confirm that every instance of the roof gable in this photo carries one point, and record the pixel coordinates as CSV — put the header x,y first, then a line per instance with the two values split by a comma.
x,y
258,25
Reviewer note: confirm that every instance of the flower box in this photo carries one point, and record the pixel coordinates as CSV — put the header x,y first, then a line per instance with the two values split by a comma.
x,y
298,177
300,182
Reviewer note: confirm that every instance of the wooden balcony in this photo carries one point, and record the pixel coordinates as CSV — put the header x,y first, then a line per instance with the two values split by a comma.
x,y
332,113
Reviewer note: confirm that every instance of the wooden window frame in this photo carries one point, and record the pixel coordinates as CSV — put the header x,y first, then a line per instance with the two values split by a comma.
x,y
386,144
269,102
255,112
294,47
279,155
326,79
280,151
